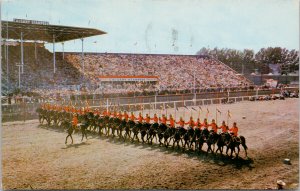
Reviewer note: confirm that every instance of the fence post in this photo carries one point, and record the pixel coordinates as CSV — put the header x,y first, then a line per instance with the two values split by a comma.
x,y
106,104
155,102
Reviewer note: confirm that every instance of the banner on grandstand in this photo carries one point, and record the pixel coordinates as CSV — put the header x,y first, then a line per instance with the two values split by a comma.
x,y
271,82
128,78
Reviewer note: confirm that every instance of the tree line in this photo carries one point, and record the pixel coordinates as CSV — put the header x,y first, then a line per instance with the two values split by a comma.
x,y
247,61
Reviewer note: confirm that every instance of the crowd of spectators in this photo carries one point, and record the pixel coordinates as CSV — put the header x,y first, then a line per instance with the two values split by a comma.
x,y
174,72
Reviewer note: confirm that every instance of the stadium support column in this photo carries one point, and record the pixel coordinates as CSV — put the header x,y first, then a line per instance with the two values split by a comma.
x,y
194,87
22,53
6,48
82,58
63,49
54,61
20,75
35,55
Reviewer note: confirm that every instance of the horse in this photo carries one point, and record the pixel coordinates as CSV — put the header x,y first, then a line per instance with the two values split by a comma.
x,y
180,131
115,126
47,116
91,120
161,129
187,136
151,133
99,124
243,143
200,142
221,142
54,117
128,126
235,142
83,125
110,125
40,112
122,125
195,137
143,127
135,130
211,140
70,130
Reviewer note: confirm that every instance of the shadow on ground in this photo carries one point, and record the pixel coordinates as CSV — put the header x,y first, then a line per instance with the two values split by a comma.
x,y
213,158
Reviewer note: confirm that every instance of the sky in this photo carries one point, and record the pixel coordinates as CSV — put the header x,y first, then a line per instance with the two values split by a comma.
x,y
167,26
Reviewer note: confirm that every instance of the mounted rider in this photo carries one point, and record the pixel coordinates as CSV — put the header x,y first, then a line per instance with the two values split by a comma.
x,y
75,121
180,122
234,130
147,119
224,127
205,124
155,118
172,121
198,123
163,120
191,123
126,116
140,118
213,126
132,117
120,116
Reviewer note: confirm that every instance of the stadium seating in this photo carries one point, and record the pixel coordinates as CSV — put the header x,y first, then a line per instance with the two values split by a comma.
x,y
175,72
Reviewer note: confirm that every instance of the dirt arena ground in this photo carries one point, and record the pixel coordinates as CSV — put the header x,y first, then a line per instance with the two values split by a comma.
x,y
37,157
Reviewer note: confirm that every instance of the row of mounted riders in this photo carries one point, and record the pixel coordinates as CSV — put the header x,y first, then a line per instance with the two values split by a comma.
x,y
191,138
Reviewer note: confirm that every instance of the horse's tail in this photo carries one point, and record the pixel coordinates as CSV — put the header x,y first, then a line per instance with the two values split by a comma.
x,y
243,141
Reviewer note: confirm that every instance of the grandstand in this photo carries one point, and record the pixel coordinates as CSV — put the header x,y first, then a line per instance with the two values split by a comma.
x,y
28,62
71,70
175,72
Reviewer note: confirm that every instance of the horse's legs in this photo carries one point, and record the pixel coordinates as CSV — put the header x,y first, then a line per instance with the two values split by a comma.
x,y
208,148
245,148
67,138
238,148
218,149
227,148
142,136
232,149
71,138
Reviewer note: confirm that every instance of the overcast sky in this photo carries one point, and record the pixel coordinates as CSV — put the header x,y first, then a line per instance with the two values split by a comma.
x,y
168,26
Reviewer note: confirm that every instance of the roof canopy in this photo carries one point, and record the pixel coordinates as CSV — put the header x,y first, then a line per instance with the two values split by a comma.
x,y
44,32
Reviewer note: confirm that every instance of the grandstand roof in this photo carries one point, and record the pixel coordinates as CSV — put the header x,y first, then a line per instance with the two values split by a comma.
x,y
44,32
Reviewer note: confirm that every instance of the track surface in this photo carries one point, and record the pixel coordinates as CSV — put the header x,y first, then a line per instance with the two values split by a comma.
x,y
36,157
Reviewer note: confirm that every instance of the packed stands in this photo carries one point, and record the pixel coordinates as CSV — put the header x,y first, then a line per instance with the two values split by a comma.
x,y
175,72
38,69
